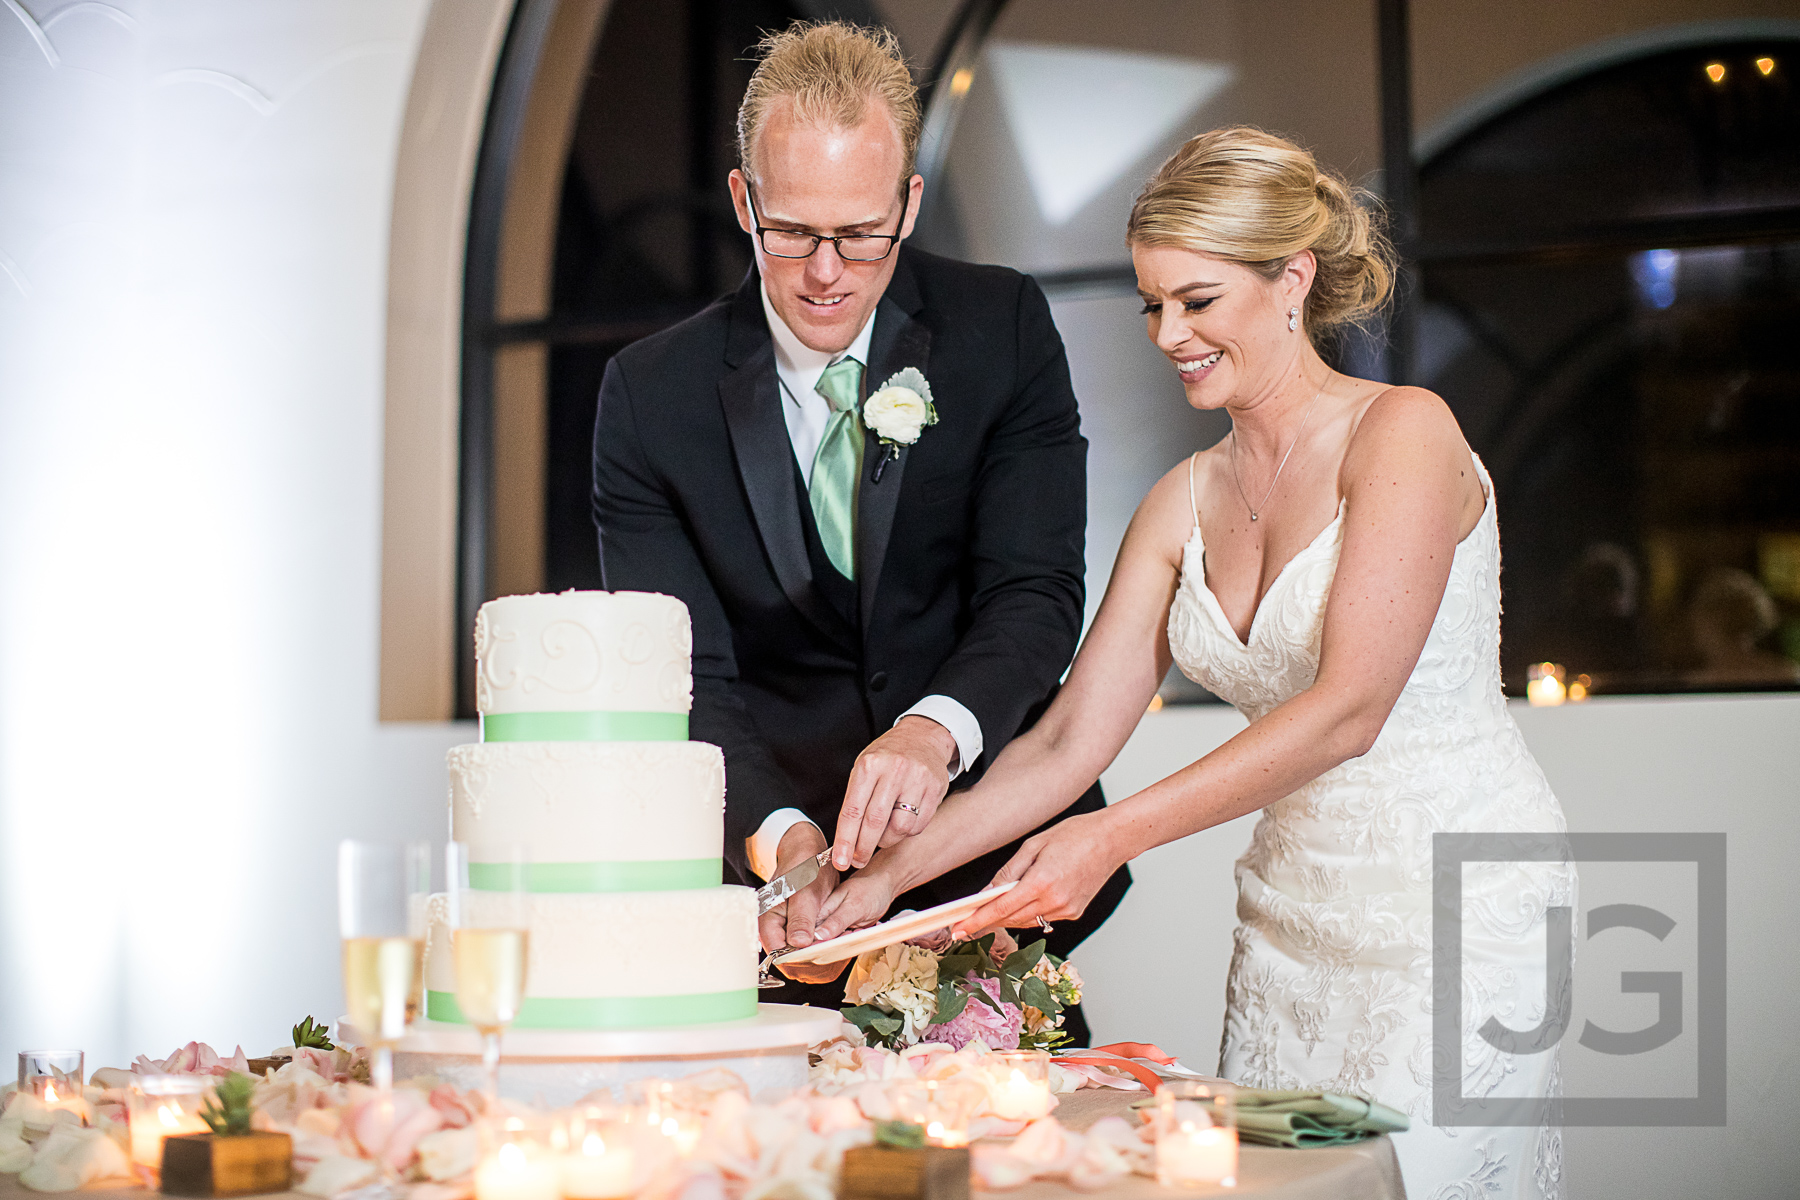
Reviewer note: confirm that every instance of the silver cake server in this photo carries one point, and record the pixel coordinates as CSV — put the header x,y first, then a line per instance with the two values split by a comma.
x,y
778,889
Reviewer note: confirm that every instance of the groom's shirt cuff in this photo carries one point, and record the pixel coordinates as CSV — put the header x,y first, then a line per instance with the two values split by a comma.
x,y
958,720
763,847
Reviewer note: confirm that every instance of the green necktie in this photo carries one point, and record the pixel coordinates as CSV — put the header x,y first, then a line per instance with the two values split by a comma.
x,y
838,465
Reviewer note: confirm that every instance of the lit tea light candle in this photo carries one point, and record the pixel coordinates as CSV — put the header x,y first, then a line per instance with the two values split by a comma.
x,y
1022,1089
943,1108
160,1107
66,1099
1192,1153
1544,685
512,1174
53,1078
662,1111
1196,1133
596,1170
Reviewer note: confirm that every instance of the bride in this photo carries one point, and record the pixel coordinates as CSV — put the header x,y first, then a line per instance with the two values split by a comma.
x,y
1331,568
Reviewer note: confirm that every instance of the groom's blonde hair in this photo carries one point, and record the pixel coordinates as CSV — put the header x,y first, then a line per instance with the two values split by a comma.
x,y
832,71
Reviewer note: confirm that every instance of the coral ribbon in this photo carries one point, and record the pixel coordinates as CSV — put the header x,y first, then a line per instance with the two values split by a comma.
x,y
1126,1052
1149,1050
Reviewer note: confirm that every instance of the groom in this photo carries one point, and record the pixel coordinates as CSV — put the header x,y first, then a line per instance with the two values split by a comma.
x,y
880,603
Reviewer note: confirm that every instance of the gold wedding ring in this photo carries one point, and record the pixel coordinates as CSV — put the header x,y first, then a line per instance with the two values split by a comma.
x,y
909,808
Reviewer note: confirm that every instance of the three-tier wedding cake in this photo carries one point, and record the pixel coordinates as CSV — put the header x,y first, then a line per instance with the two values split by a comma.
x,y
585,766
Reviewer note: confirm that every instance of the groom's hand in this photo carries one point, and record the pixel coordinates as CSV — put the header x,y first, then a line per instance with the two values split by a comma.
x,y
791,923
895,788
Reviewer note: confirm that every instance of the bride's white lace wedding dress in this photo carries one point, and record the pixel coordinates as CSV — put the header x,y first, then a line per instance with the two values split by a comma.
x,y
1330,983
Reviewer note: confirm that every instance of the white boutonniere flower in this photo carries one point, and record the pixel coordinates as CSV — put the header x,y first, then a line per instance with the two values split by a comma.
x,y
900,409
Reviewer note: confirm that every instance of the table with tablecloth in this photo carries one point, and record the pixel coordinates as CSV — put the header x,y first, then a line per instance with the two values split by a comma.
x,y
1365,1170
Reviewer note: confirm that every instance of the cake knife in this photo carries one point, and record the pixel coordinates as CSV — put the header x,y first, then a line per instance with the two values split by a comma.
x,y
778,889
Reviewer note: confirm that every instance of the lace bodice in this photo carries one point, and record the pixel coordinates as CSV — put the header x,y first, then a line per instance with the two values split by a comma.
x,y
1330,979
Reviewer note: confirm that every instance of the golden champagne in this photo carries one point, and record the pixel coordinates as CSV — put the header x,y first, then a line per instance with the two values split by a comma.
x,y
381,984
490,975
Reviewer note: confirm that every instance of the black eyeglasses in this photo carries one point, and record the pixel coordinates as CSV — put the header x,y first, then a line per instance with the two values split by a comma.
x,y
851,247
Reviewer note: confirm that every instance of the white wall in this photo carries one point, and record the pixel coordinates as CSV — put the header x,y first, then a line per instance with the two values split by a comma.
x,y
1157,969
194,214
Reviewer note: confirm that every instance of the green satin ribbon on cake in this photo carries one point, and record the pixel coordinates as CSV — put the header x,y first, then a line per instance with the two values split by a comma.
x,y
610,1012
654,875
584,727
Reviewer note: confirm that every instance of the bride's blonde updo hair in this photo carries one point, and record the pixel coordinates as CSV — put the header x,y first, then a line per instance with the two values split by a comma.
x,y
1254,198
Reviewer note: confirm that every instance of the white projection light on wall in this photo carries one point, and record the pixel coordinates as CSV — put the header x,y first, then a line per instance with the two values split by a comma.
x,y
1082,116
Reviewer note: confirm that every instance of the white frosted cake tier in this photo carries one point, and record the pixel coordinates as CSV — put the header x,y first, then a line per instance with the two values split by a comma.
x,y
618,960
619,652
593,816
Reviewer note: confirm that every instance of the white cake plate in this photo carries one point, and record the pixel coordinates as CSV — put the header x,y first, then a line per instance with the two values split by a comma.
x,y
557,1067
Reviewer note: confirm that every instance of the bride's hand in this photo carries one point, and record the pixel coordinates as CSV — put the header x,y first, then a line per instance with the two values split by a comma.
x,y
861,899
1058,871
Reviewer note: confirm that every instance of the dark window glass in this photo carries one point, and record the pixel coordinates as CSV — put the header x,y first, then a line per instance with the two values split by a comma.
x,y
646,235
1611,277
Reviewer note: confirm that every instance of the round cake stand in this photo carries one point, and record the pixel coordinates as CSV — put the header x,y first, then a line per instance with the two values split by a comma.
x,y
557,1067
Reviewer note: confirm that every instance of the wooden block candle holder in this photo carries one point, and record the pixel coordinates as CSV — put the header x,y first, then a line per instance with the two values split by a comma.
x,y
905,1173
242,1164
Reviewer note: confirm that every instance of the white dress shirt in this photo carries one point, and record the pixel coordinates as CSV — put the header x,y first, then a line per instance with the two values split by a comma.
x,y
806,412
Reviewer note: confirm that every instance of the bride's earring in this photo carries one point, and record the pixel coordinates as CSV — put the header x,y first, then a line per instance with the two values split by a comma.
x,y
1293,319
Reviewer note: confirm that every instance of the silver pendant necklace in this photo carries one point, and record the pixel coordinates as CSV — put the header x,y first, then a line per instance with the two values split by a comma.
x,y
1256,509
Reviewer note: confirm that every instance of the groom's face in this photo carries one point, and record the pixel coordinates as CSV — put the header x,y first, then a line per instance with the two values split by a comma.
x,y
827,180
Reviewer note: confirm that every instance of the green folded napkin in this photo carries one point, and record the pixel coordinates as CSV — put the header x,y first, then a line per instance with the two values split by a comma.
x,y
1285,1117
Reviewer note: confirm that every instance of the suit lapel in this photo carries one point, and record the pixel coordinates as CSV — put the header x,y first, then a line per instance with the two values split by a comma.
x,y
899,341
751,397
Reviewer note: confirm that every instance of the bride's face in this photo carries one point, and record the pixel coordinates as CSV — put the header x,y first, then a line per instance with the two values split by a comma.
x,y
1223,327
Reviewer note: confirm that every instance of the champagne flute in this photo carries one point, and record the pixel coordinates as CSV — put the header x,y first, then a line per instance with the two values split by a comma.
x,y
489,945
383,950
380,903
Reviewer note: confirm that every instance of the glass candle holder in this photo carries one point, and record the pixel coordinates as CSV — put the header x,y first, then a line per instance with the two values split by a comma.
x,y
1021,1085
517,1165
55,1078
1544,685
159,1106
944,1108
661,1110
597,1158
52,1075
1196,1134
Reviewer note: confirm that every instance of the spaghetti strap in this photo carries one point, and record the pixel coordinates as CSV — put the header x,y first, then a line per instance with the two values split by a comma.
x,y
1192,503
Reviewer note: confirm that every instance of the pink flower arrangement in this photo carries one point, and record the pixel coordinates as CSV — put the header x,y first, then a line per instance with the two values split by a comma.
x,y
997,1027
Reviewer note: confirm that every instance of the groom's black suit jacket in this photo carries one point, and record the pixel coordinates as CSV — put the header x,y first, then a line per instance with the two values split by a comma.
x,y
969,545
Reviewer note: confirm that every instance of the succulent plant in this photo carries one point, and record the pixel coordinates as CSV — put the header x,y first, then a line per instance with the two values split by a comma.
x,y
227,1113
310,1036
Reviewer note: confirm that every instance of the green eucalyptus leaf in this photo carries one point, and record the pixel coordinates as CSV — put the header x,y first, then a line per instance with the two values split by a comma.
x,y
950,1002
1008,992
1036,992
867,1017
1020,962
981,995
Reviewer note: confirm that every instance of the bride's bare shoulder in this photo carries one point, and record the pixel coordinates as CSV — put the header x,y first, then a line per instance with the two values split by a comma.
x,y
1165,517
1407,438
1406,421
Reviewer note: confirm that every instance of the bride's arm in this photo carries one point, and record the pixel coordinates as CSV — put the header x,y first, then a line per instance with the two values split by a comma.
x,y
1121,663
1410,483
